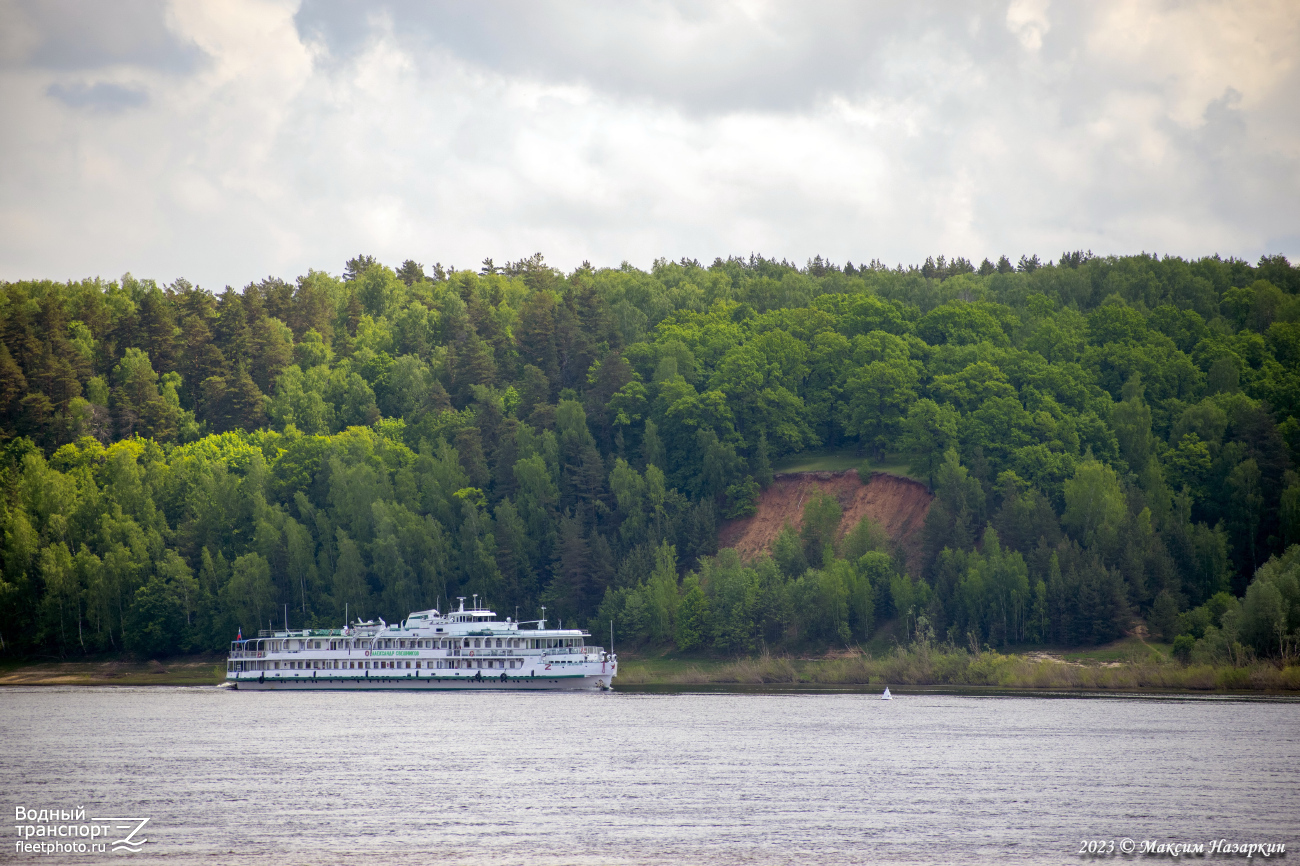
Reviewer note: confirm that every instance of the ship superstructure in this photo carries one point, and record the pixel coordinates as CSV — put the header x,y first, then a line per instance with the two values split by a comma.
x,y
464,649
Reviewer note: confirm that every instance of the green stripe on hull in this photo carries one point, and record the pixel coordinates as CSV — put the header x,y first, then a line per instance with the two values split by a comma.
x,y
411,683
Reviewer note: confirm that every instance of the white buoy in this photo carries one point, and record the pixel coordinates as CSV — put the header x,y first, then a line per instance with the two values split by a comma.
x,y
886,696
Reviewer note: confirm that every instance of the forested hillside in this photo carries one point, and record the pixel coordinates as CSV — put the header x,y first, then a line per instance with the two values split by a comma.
x,y
1107,439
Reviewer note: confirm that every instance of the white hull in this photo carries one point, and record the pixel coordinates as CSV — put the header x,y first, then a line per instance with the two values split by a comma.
x,y
407,681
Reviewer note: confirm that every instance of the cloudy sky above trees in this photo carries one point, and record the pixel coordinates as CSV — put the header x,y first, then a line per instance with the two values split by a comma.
x,y
224,142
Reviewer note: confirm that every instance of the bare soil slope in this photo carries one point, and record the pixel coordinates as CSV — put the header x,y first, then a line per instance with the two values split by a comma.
x,y
897,504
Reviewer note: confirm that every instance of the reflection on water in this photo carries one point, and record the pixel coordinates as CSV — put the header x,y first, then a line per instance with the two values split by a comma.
x,y
650,778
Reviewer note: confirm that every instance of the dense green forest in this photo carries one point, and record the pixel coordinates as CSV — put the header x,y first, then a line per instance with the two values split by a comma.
x,y
1108,438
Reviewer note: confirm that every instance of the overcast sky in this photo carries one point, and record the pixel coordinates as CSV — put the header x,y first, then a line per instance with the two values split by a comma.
x,y
224,142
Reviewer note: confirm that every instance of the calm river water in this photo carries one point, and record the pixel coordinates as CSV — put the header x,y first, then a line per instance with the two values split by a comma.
x,y
245,777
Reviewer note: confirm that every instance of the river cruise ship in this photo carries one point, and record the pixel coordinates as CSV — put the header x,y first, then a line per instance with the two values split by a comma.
x,y
464,649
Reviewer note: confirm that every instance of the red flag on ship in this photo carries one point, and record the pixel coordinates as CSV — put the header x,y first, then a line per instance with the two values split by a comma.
x,y
240,634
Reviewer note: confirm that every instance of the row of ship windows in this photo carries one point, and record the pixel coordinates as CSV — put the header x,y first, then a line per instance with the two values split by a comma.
x,y
435,643
327,665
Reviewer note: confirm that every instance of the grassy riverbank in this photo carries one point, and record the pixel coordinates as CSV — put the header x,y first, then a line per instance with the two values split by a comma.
x,y
200,670
962,669
1122,667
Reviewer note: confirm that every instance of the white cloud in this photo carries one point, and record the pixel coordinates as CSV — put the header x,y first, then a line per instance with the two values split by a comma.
x,y
1027,19
263,139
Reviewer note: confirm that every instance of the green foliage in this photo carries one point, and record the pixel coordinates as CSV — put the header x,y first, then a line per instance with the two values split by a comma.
x,y
693,619
821,522
1270,612
1106,438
